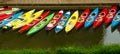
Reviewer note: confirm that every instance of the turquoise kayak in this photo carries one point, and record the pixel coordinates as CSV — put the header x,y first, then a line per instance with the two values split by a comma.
x,y
62,23
91,18
116,20
7,20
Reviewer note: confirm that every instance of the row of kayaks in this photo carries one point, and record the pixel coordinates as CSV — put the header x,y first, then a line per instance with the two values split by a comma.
x,y
33,22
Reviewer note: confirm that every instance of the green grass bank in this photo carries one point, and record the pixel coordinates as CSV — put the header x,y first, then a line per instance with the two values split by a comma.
x,y
103,49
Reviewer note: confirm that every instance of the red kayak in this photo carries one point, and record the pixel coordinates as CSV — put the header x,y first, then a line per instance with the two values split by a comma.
x,y
3,16
109,17
5,9
100,18
82,18
54,20
34,22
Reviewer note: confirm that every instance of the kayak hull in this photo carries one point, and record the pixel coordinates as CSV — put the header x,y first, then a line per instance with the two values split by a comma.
x,y
116,20
91,18
62,22
54,20
100,18
82,18
34,22
72,21
110,15
10,11
4,16
7,20
5,9
79,24
40,25
28,19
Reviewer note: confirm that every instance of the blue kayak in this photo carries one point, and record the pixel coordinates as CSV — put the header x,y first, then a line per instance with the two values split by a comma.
x,y
91,18
61,24
7,20
116,20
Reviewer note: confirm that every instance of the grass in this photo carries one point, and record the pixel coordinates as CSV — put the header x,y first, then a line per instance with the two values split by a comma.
x,y
109,49
25,51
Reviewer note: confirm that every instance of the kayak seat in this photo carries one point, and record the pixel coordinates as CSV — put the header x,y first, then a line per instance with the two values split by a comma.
x,y
39,18
61,23
110,16
53,22
84,14
117,19
102,14
70,23
99,19
32,16
64,18
38,25
119,14
73,18
81,19
90,19
93,14
112,11
31,23
56,17
44,20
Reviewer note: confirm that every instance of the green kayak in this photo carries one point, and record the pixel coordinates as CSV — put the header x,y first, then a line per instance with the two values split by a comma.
x,y
41,24
10,11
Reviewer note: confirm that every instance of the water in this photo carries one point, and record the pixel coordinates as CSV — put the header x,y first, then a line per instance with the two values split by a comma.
x,y
10,39
83,37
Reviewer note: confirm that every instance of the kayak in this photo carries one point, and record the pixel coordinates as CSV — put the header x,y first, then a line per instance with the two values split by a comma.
x,y
61,24
116,20
54,20
28,20
34,22
41,24
72,21
110,15
5,9
19,19
91,18
7,15
10,11
100,18
7,20
82,18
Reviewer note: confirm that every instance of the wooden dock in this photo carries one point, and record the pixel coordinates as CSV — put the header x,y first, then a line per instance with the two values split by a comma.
x,y
59,4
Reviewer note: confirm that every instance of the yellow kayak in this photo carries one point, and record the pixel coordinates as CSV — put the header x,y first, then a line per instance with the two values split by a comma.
x,y
28,20
20,18
72,21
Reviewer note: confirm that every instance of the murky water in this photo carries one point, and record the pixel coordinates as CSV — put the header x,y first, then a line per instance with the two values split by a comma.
x,y
83,37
